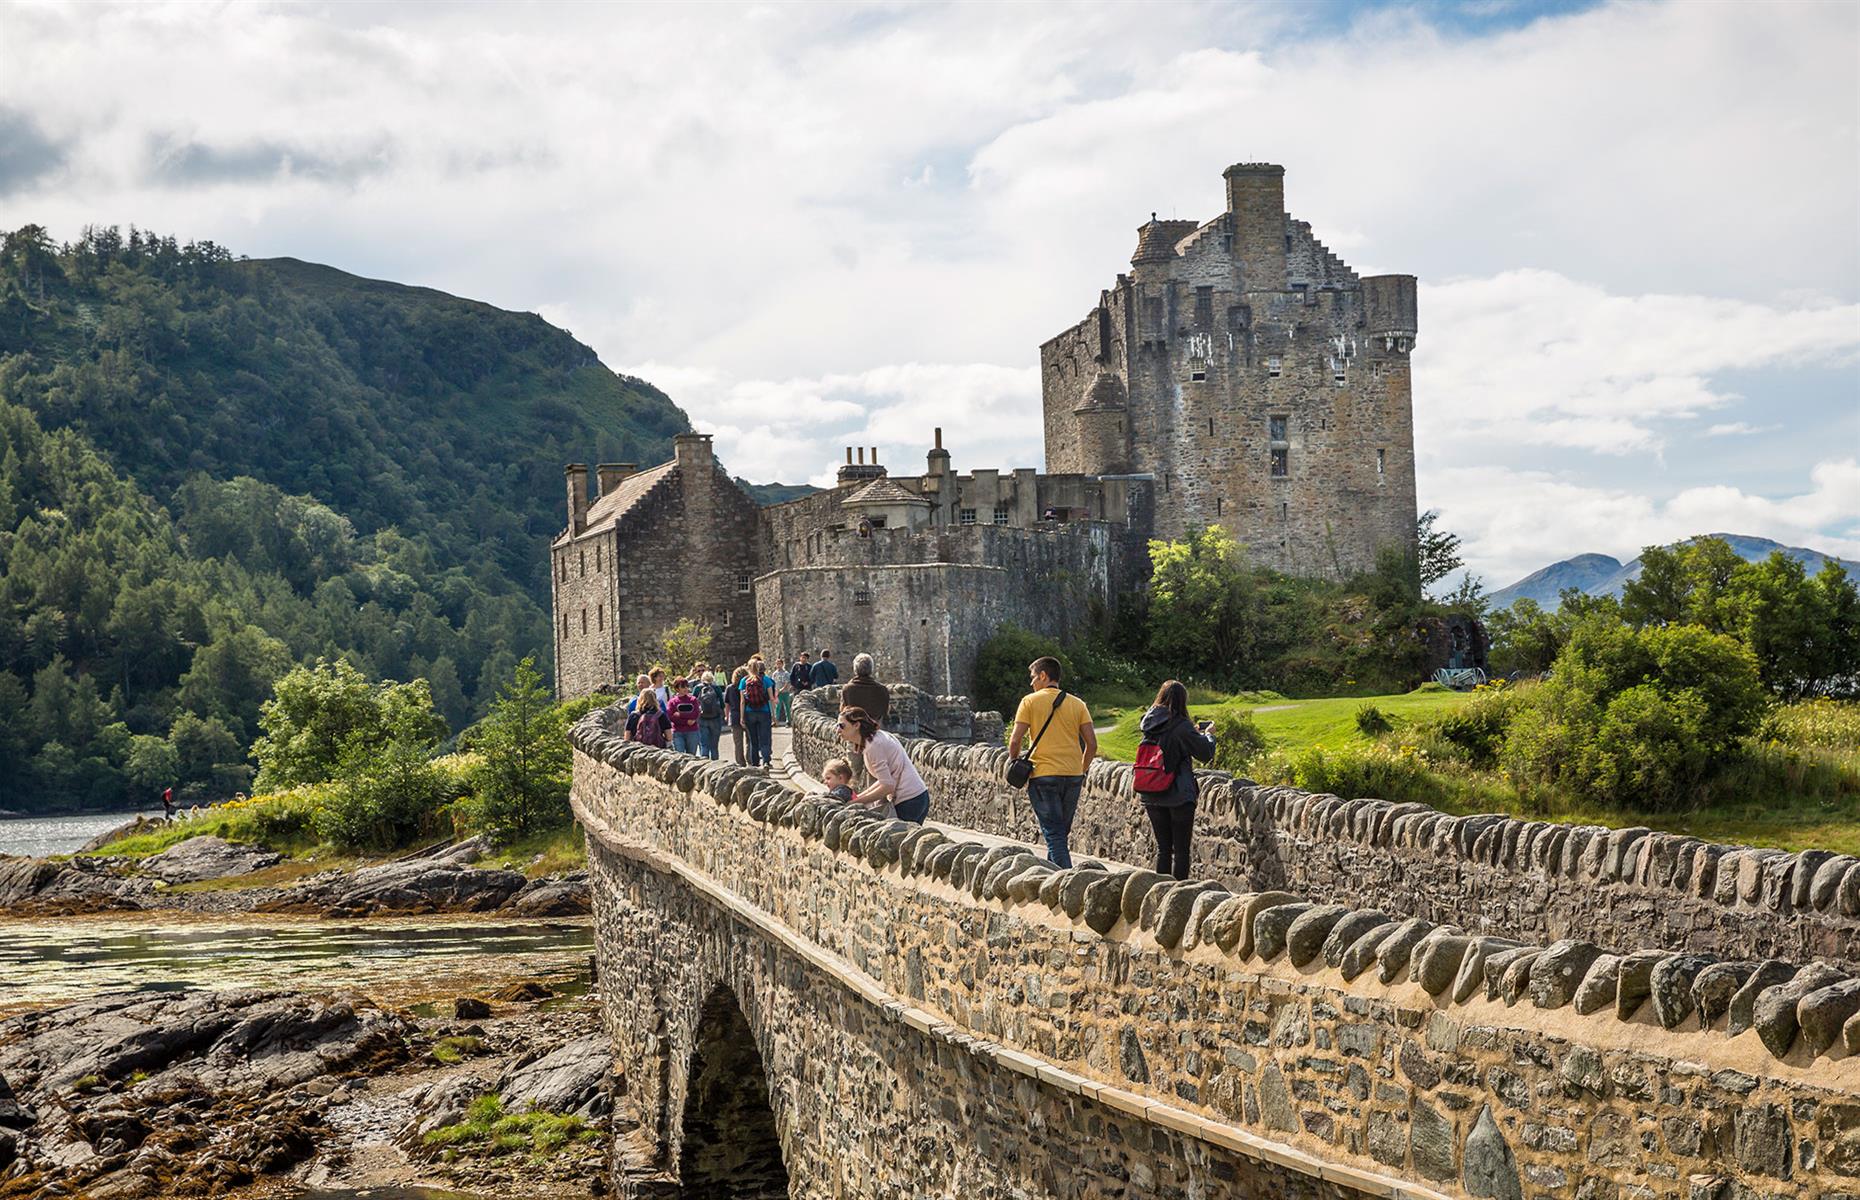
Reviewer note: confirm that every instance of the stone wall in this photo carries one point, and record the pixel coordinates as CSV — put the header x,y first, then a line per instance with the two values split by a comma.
x,y
1491,874
944,1016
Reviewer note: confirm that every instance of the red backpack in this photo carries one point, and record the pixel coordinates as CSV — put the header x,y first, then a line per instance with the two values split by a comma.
x,y
754,694
1151,777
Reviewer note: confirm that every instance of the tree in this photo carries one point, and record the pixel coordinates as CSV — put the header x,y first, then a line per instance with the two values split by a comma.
x,y
1201,613
321,716
521,786
1437,549
687,642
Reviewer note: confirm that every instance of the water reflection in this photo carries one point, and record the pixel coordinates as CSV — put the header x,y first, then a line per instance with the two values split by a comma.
x,y
36,837
58,960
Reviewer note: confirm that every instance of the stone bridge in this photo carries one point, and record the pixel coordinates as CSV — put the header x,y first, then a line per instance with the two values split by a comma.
x,y
1366,999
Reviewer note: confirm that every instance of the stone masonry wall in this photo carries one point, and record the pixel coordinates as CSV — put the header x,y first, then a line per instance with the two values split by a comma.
x,y
1491,874
1351,1045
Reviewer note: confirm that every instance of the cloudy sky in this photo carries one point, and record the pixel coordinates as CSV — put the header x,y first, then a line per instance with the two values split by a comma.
x,y
1637,226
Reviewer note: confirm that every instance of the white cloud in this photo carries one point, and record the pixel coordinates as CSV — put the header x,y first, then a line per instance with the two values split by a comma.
x,y
1739,429
826,225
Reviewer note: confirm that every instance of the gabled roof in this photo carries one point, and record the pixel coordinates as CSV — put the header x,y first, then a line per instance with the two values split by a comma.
x,y
884,491
612,507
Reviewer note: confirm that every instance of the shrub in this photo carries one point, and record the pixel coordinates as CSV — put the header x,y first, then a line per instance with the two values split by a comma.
x,y
1472,732
320,717
385,799
1814,724
1353,772
1372,721
520,786
1237,739
1001,668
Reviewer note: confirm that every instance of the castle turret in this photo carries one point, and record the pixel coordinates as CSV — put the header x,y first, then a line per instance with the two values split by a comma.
x,y
1256,200
577,475
1389,310
1103,427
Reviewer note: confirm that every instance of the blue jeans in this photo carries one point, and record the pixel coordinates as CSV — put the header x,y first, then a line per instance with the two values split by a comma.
x,y
710,735
760,729
685,741
1055,800
915,809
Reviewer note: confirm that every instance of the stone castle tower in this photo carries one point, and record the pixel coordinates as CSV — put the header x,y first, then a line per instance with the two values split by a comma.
x,y
1255,377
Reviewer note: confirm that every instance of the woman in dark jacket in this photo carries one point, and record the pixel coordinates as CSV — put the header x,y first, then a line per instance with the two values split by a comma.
x,y
1172,813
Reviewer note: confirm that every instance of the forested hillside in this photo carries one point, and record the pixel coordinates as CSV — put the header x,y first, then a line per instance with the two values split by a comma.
x,y
212,468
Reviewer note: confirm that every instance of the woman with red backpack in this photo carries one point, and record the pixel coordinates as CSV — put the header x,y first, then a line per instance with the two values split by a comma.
x,y
756,692
1164,776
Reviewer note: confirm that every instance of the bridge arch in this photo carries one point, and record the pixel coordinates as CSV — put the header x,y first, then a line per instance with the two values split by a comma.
x,y
731,1144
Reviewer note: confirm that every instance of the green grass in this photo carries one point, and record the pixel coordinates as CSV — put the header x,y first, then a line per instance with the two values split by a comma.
x,y
448,1051
1289,724
553,852
488,1129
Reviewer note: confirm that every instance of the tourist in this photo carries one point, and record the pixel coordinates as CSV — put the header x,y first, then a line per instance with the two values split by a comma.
x,y
826,672
641,684
837,775
683,715
1165,774
647,724
780,678
758,694
865,691
1064,743
710,714
167,803
733,711
800,675
659,689
893,776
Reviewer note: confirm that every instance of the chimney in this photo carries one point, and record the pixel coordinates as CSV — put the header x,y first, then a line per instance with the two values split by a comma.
x,y
1256,199
875,456
609,476
849,456
577,474
862,456
692,450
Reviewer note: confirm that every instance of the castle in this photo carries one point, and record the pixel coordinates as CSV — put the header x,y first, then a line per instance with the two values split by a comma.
x,y
1239,374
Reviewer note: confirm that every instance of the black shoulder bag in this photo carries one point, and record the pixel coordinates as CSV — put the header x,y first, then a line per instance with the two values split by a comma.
x,y
1020,770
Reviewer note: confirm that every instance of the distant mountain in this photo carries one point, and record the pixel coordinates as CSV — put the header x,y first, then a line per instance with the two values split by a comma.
x,y
766,494
1605,575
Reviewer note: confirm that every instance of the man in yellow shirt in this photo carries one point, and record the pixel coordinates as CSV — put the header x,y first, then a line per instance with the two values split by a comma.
x,y
1062,754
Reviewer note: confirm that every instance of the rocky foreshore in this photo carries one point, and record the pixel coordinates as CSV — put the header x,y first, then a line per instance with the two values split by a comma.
x,y
441,881
187,1093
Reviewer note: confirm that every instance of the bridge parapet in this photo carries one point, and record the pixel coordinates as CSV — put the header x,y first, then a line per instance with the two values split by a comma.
x,y
1623,889
1155,1038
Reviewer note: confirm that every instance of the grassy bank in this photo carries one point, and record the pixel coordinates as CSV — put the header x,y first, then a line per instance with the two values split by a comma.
x,y
1794,786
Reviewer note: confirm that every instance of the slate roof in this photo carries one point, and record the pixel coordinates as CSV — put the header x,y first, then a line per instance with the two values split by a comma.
x,y
1156,240
614,506
884,491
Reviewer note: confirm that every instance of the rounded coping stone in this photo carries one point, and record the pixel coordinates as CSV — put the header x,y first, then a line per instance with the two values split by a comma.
x,y
1823,1013
1025,887
1304,940
1198,913
1517,978
1256,903
1768,974
1847,896
978,878
1362,952
1345,933
1496,965
1136,887
1437,963
1049,889
1002,875
1393,951
1824,889
1559,971
1072,891
967,856
1671,985
1713,987
1600,986
941,859
917,849
1270,926
1428,939
1802,875
1103,906
1471,976
1172,919
1222,926
1774,1016
1850,1034
1634,981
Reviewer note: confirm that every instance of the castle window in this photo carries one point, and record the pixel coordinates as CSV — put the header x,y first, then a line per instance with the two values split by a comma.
x,y
1204,309
726,618
584,562
1382,465
1210,426
1217,505
1197,376
600,618
584,622
862,596
597,558
564,626
1272,367
1001,514
742,583
1276,426
561,568
1339,370
965,516
1281,466
1285,511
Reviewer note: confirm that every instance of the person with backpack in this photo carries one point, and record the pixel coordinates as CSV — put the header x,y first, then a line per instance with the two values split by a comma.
x,y
710,714
758,692
647,724
1054,769
683,715
1164,776
733,710
825,672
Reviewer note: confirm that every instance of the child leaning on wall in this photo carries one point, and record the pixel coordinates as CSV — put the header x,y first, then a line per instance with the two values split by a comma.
x,y
837,774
